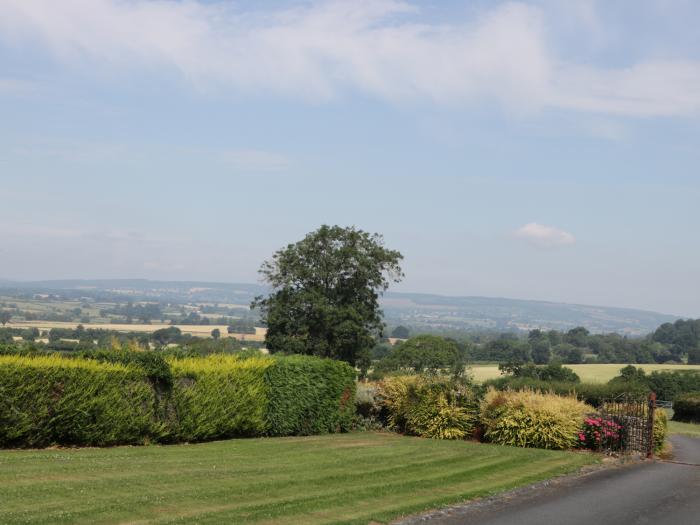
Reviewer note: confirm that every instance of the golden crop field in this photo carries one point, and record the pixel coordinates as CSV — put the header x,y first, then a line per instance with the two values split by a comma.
x,y
594,373
195,330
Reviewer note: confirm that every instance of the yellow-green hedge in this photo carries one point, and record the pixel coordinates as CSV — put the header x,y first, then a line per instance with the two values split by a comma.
x,y
74,401
47,400
217,397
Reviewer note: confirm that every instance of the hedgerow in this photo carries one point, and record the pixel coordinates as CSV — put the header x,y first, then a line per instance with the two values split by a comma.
x,y
686,408
128,399
218,397
591,393
48,399
308,395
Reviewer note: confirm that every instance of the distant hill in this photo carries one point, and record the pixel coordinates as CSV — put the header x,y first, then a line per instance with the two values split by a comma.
x,y
439,312
427,312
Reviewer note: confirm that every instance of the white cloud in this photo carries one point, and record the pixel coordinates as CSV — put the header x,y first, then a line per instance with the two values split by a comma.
x,y
544,236
321,50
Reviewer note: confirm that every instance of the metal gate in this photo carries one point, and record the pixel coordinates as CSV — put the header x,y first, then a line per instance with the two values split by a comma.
x,y
624,425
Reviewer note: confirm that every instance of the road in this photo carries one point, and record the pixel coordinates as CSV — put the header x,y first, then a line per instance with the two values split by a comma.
x,y
656,493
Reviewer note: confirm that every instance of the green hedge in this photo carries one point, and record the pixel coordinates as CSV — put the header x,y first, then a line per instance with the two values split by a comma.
x,y
47,400
686,407
309,396
217,397
74,401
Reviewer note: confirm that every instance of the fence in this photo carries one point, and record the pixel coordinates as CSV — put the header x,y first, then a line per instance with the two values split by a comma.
x,y
627,425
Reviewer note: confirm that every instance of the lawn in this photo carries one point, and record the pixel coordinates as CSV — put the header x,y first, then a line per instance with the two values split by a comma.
x,y
677,427
342,478
595,373
687,429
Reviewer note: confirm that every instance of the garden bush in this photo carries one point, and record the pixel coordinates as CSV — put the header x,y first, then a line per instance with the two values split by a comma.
x,y
529,418
308,395
686,407
430,406
218,397
49,400
660,430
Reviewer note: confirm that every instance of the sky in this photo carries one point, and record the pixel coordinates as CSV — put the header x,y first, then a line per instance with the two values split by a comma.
x,y
537,150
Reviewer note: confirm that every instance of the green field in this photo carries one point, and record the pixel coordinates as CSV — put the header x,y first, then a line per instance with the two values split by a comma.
x,y
601,373
341,478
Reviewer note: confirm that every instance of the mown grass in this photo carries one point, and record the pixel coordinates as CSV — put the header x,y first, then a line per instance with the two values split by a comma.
x,y
591,373
348,478
687,429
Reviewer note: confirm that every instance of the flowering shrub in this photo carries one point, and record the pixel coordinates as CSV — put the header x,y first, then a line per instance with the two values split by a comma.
x,y
598,433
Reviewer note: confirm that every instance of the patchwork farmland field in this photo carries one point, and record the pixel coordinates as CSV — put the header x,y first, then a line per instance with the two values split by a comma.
x,y
195,330
341,478
590,373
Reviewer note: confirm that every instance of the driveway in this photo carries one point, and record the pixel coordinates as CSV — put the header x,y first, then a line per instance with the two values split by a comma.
x,y
656,493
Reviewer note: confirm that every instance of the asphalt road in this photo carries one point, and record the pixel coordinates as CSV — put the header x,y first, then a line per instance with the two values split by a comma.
x,y
656,493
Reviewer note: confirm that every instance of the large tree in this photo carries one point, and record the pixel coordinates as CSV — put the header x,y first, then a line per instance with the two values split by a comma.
x,y
325,293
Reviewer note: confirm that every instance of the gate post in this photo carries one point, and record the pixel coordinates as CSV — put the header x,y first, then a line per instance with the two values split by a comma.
x,y
650,425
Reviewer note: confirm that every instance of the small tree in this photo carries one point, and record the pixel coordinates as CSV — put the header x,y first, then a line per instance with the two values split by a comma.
x,y
215,333
5,317
425,353
325,292
400,332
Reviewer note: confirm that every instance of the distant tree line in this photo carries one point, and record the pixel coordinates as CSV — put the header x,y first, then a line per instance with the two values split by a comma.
x,y
81,339
671,343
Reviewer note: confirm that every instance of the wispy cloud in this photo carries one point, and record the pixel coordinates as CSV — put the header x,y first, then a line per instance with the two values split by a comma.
x,y
321,50
544,236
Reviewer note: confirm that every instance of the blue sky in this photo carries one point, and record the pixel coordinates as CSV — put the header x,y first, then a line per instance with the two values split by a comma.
x,y
538,150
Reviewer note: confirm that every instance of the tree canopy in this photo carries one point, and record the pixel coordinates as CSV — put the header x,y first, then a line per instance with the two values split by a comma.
x,y
425,353
325,293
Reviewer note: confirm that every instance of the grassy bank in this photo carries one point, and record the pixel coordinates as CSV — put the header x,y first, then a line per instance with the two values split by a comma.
x,y
687,429
593,373
348,478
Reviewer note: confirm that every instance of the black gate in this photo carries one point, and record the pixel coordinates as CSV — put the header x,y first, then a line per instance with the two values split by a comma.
x,y
623,425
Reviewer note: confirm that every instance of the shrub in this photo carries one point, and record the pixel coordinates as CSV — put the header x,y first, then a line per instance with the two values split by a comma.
x,y
528,418
598,432
660,429
591,393
308,395
218,397
550,372
429,406
686,407
670,384
50,399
